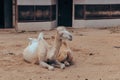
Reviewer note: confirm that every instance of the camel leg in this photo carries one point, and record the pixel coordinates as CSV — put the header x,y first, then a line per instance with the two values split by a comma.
x,y
67,63
62,66
45,65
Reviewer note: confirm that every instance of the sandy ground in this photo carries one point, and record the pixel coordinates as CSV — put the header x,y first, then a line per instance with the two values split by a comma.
x,y
96,56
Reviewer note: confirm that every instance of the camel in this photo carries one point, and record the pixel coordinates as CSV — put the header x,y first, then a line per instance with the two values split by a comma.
x,y
44,53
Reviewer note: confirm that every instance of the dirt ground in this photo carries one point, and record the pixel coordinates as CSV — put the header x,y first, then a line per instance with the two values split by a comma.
x,y
96,56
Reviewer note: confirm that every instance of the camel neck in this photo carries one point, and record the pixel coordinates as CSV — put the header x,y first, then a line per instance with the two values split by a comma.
x,y
57,44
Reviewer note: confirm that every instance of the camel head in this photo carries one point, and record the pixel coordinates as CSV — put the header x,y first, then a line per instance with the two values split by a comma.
x,y
64,34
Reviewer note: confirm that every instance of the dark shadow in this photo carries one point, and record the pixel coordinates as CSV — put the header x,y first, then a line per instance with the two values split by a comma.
x,y
118,47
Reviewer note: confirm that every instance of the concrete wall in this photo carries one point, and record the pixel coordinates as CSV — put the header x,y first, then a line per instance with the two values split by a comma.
x,y
54,23
35,2
34,26
98,22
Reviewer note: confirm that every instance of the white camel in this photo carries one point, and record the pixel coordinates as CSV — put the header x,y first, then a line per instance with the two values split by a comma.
x,y
45,53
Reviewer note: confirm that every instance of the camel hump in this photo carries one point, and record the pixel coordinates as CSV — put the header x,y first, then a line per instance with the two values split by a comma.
x,y
40,37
